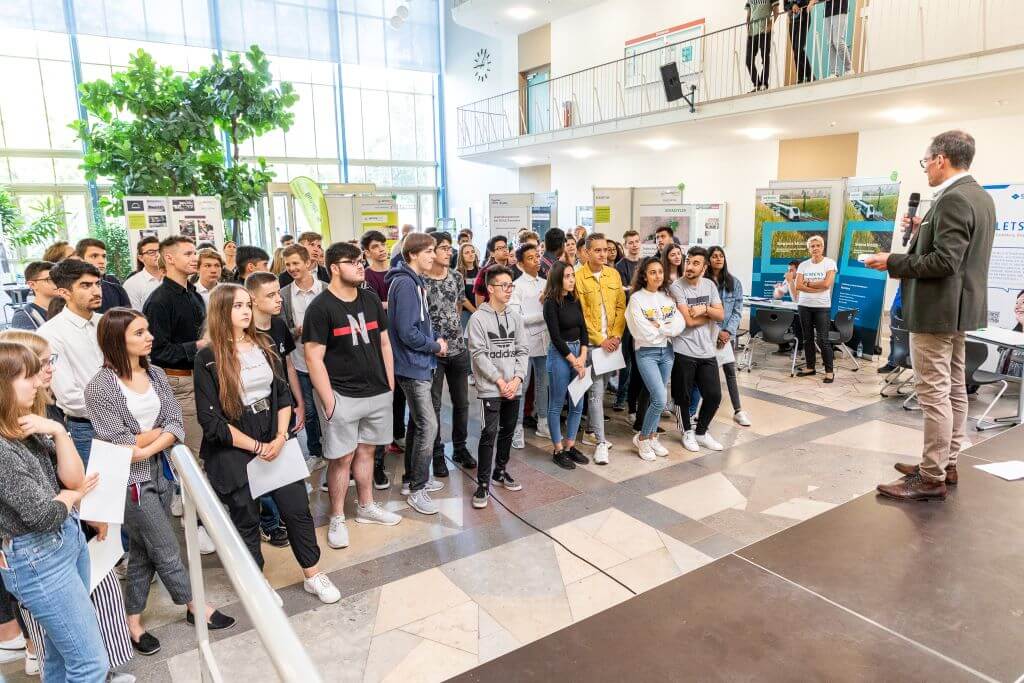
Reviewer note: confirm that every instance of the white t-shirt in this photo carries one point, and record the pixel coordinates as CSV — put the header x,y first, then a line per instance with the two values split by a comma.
x,y
816,272
257,376
145,408
604,313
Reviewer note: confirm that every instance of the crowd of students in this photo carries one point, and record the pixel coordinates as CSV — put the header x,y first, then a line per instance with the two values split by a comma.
x,y
233,353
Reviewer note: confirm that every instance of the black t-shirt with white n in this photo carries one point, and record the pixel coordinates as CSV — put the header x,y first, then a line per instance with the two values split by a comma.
x,y
351,332
278,331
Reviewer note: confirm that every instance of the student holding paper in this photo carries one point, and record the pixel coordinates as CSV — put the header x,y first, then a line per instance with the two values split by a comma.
x,y
245,406
131,403
653,321
567,358
600,292
730,289
44,561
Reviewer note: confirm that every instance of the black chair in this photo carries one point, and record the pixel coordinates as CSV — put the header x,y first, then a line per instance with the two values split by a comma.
x,y
976,355
843,333
774,329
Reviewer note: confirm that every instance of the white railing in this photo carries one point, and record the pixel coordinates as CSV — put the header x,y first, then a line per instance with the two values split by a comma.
x,y
286,652
888,34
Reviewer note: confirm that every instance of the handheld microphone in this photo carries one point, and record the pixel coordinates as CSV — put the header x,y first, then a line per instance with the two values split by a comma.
x,y
912,204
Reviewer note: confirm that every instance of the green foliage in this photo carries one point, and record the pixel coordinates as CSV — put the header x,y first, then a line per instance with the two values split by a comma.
x,y
49,222
158,133
115,237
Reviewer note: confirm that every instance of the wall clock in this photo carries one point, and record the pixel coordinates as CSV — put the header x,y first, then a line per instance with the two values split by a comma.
x,y
482,64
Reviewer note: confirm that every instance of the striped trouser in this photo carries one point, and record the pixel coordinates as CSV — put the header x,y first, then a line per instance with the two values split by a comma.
x,y
109,604
152,545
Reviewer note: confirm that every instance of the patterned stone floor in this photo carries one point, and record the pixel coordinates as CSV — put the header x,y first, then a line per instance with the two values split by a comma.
x,y
433,597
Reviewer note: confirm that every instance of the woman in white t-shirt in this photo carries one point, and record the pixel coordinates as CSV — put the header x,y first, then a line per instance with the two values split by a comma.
x,y
814,280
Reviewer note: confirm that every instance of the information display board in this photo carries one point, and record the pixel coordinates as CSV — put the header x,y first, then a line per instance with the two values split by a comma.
x,y
543,212
1006,268
378,212
510,213
198,218
613,210
784,219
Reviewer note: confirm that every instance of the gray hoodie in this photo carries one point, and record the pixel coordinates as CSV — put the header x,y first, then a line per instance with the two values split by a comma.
x,y
497,346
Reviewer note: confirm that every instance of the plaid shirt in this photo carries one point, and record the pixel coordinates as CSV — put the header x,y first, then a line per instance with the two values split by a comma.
x,y
114,423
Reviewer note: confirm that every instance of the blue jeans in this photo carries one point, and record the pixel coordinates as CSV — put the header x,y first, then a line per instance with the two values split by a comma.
x,y
270,517
314,445
694,400
419,439
655,367
622,392
537,368
82,435
49,574
560,374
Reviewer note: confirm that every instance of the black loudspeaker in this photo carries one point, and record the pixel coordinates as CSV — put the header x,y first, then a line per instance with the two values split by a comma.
x,y
670,77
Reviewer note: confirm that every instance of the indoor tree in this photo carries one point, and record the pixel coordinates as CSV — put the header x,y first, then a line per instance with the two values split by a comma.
x,y
48,223
156,132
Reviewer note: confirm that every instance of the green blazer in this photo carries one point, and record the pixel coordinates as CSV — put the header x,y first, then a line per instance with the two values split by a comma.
x,y
945,271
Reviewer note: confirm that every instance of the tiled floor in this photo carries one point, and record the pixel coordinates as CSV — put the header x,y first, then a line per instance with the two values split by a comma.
x,y
433,597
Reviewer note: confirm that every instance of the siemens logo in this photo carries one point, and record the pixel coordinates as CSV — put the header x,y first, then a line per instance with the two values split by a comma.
x,y
1010,226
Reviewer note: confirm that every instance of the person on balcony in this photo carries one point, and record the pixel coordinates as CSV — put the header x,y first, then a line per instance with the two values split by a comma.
x,y
799,28
760,18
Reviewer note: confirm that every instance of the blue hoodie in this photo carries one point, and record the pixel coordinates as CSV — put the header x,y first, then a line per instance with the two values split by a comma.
x,y
413,343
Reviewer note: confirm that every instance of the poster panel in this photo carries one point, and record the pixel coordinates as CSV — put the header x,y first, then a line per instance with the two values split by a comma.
x,y
146,216
707,224
198,218
543,212
655,207
869,222
1006,268
378,212
784,219
510,213
613,210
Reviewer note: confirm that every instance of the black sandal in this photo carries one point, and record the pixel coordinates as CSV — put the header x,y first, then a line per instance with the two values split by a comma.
x,y
829,378
807,373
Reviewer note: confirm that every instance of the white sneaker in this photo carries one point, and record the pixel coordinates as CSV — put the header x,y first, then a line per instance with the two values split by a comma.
x,y
375,514
656,446
433,485
177,509
472,380
741,418
421,503
542,429
31,664
690,441
601,453
323,588
631,417
643,448
337,534
206,546
16,643
519,438
313,463
277,596
708,441
589,438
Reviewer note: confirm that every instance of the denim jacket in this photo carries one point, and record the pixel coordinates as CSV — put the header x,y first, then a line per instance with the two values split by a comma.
x,y
732,302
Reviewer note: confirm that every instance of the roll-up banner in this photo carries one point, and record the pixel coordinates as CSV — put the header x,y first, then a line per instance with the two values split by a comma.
x,y
510,213
1006,268
868,225
543,212
654,207
784,219
613,211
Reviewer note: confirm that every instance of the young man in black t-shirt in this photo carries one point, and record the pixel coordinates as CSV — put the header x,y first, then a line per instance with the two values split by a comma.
x,y
265,291
348,353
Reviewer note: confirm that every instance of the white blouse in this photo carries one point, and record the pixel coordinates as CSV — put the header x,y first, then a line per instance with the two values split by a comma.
x,y
257,376
145,407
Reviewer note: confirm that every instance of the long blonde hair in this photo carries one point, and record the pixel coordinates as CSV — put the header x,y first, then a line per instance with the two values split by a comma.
x,y
221,334
39,346
14,360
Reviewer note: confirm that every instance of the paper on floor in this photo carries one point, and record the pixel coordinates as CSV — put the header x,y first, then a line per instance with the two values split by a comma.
x,y
1011,470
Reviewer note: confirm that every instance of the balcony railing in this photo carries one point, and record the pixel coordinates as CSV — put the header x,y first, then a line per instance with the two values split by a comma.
x,y
885,34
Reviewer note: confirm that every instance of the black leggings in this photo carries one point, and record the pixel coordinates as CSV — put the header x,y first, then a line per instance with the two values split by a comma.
x,y
759,43
815,323
799,28
293,504
702,372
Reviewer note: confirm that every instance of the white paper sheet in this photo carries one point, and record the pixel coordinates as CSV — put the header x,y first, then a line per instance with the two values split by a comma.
x,y
1011,470
578,387
287,467
725,355
106,502
103,555
605,362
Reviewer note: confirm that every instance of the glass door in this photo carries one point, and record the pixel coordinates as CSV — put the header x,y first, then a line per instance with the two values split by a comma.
x,y
538,100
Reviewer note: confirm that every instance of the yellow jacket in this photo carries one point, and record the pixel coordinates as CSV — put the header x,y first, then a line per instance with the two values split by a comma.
x,y
606,292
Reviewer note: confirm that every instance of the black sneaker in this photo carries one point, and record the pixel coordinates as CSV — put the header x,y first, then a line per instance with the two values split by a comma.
x,y
147,644
276,537
886,369
440,466
530,422
480,498
577,457
381,481
218,620
463,457
506,480
562,459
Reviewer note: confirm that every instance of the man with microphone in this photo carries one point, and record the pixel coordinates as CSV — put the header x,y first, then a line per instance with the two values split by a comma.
x,y
945,286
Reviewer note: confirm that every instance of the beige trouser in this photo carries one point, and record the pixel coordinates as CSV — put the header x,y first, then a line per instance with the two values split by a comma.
x,y
185,392
942,393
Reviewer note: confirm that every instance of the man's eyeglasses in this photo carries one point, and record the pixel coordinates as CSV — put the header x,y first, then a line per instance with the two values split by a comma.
x,y
507,286
924,162
150,252
358,264
41,279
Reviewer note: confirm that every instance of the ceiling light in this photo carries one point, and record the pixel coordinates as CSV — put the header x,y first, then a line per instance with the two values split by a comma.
x,y
580,153
833,124
521,160
1002,103
520,13
659,144
908,114
759,133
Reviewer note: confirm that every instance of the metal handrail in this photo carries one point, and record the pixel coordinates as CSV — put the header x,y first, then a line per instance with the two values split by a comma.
x,y
889,34
284,648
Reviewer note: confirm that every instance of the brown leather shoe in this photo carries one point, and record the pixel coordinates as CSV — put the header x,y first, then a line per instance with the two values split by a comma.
x,y
907,469
914,488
